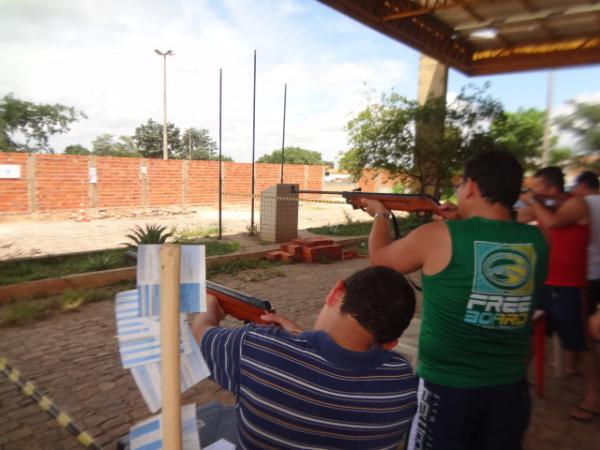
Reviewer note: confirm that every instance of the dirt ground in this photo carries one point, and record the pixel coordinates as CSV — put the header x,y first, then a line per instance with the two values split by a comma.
x,y
21,238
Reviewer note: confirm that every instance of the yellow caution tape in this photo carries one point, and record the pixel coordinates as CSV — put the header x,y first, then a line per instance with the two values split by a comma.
x,y
63,419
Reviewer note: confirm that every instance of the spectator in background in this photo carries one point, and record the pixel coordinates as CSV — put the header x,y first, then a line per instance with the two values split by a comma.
x,y
565,219
588,187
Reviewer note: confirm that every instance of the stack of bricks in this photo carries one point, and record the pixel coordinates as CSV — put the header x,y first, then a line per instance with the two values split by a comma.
x,y
307,250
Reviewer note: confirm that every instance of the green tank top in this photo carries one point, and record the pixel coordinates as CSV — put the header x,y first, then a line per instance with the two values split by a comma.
x,y
476,318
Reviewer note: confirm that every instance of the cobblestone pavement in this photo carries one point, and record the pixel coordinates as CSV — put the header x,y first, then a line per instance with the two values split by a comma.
x,y
73,358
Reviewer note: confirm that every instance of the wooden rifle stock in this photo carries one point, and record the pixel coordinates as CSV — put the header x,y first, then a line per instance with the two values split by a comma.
x,y
239,305
420,203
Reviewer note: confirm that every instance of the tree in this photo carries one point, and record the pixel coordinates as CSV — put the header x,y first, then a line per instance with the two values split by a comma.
x,y
149,139
584,123
76,149
36,122
383,136
196,143
522,133
104,145
294,155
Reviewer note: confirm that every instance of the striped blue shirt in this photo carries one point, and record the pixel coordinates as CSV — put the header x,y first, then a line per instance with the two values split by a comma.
x,y
306,392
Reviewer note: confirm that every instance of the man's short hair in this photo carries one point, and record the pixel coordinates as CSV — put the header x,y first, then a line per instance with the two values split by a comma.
x,y
381,300
588,179
498,175
552,176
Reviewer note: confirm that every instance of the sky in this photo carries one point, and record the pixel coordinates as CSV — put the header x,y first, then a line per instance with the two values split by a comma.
x,y
98,56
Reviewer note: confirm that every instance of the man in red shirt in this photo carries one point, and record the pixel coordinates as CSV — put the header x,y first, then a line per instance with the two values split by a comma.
x,y
565,220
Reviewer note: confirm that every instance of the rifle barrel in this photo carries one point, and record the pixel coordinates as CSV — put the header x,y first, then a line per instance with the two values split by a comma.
x,y
254,301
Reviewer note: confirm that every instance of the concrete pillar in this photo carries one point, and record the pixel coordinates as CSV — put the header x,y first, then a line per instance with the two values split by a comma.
x,y
144,181
185,167
279,213
433,79
433,84
93,187
31,186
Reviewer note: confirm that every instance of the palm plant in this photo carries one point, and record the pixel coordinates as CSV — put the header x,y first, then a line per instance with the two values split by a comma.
x,y
151,234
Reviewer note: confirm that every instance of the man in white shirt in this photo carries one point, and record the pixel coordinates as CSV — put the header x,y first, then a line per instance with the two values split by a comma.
x,y
588,187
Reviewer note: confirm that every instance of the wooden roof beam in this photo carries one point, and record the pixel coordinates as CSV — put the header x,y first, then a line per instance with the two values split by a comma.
x,y
429,6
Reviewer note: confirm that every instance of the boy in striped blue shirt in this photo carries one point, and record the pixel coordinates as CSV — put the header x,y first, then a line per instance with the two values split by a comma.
x,y
336,386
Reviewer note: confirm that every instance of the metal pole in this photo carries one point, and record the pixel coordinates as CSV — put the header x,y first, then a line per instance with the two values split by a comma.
x,y
546,140
283,138
253,148
165,143
220,154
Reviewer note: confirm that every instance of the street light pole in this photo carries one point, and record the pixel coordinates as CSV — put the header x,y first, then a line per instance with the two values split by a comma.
x,y
165,141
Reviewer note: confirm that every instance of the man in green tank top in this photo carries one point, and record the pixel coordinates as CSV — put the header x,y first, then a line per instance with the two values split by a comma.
x,y
481,273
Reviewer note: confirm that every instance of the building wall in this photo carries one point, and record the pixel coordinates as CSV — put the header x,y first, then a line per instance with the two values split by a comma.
x,y
65,182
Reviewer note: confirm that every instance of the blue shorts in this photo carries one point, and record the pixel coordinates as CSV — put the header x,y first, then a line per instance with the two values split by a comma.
x,y
566,313
481,418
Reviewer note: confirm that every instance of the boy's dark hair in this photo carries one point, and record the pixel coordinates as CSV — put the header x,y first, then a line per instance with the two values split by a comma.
x,y
589,179
381,300
498,175
552,176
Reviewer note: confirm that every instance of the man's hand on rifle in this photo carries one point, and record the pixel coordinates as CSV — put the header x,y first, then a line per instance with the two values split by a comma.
x,y
282,321
373,207
211,318
449,211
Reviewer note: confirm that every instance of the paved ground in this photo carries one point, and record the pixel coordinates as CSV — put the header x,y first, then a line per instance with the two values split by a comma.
x,y
73,358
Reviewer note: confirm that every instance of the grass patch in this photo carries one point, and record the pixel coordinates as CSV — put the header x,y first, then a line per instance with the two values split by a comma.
x,y
23,312
360,228
344,229
28,270
59,266
234,267
194,234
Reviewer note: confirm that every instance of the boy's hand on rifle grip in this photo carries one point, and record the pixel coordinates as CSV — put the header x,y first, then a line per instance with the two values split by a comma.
x,y
213,309
372,207
449,211
282,321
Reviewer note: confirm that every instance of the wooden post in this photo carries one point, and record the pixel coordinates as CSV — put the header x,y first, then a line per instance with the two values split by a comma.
x,y
169,345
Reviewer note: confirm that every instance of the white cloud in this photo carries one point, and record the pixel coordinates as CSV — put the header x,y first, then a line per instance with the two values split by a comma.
x,y
98,56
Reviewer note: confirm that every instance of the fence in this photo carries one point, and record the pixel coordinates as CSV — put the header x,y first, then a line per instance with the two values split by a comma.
x,y
33,183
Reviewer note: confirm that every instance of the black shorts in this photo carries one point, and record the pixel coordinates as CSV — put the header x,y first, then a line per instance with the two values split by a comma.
x,y
566,313
483,418
593,296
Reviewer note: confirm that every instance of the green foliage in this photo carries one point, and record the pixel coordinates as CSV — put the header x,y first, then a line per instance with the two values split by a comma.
x,y
196,143
23,312
584,123
35,121
149,139
76,150
521,133
383,136
559,157
57,266
104,145
239,265
294,155
150,234
363,228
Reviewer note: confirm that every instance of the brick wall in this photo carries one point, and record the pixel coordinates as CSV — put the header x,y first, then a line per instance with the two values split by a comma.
x,y
13,192
120,182
62,182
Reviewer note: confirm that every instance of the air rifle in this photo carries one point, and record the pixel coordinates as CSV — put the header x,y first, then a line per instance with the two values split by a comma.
x,y
237,304
419,203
